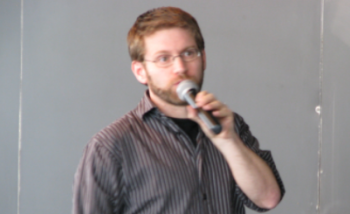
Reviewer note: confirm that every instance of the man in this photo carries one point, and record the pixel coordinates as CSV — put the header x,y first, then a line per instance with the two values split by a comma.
x,y
160,157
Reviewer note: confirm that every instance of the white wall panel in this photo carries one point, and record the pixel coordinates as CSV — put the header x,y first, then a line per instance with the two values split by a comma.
x,y
266,60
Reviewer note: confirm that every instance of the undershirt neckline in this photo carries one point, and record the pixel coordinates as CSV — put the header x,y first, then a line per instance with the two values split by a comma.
x,y
190,127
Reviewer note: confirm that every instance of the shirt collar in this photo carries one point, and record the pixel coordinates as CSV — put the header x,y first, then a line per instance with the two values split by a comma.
x,y
145,106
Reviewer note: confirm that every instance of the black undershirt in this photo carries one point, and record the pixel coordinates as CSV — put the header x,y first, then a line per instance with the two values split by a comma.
x,y
190,127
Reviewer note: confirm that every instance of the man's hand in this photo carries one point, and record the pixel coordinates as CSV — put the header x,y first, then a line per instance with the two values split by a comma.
x,y
208,102
252,174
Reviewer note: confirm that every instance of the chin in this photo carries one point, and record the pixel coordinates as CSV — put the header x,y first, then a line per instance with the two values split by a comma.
x,y
181,103
175,100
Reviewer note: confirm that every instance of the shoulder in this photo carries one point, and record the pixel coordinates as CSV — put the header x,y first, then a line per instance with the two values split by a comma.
x,y
240,124
243,130
112,137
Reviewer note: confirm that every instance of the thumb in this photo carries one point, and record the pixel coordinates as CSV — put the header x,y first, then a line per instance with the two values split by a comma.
x,y
193,115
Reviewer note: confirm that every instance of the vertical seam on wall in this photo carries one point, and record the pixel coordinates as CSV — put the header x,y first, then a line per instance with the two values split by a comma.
x,y
320,130
20,116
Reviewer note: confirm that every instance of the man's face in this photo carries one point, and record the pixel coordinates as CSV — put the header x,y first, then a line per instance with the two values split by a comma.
x,y
163,81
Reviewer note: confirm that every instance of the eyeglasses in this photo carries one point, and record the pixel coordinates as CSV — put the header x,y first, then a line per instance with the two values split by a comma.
x,y
166,60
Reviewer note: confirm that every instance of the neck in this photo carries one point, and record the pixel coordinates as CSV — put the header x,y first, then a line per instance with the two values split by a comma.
x,y
170,110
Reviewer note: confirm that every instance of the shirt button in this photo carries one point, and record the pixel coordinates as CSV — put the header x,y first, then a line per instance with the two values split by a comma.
x,y
204,197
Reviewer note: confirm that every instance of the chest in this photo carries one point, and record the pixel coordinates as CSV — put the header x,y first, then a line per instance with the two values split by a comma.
x,y
167,166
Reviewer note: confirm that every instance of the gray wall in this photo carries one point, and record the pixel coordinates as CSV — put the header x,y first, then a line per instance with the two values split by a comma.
x,y
271,61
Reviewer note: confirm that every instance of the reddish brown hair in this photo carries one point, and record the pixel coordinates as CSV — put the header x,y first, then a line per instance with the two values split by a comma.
x,y
157,19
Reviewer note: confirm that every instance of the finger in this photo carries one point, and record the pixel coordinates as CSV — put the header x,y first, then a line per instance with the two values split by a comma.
x,y
214,105
222,112
203,98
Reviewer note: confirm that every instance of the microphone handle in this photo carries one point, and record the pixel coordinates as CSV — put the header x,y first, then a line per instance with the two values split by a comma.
x,y
210,121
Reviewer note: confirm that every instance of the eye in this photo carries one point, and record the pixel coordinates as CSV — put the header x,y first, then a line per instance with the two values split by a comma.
x,y
163,58
190,54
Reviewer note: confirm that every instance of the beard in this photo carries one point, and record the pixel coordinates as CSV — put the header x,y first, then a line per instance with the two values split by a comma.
x,y
168,95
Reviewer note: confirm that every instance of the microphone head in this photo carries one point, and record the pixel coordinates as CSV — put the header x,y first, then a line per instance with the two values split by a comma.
x,y
184,87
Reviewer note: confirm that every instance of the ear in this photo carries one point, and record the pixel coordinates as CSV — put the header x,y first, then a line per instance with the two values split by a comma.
x,y
139,71
204,59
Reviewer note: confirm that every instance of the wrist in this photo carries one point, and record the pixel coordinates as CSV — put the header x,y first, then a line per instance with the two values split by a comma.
x,y
228,144
221,144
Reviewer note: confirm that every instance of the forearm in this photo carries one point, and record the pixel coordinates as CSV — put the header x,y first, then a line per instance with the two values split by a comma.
x,y
252,174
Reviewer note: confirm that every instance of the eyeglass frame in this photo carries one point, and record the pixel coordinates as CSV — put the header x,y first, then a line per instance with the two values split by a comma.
x,y
197,55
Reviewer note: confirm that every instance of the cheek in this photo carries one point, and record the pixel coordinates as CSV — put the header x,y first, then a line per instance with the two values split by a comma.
x,y
196,70
159,79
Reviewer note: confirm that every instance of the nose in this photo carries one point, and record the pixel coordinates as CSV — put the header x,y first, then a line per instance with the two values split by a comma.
x,y
179,65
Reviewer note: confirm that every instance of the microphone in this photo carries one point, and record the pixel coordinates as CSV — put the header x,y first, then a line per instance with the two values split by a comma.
x,y
187,91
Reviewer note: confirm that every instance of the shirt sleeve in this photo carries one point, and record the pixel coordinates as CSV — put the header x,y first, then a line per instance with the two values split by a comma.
x,y
98,182
250,141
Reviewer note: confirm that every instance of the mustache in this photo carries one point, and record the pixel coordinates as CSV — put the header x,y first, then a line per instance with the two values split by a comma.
x,y
183,77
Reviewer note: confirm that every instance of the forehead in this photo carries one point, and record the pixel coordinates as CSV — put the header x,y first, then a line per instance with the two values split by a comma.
x,y
169,40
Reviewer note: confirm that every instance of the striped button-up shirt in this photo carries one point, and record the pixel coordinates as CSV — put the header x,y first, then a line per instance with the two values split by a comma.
x,y
144,163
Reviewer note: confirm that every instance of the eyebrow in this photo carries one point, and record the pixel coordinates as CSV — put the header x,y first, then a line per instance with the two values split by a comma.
x,y
167,52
